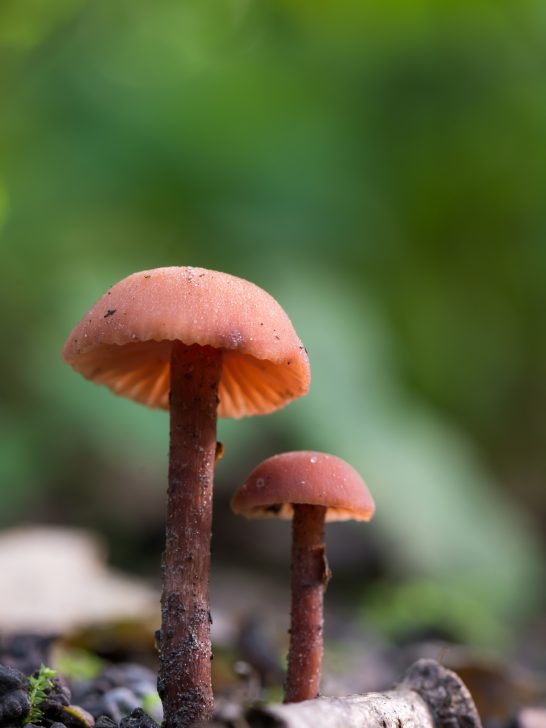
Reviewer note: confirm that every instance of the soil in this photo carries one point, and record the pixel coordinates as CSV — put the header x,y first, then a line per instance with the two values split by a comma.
x,y
124,694
114,697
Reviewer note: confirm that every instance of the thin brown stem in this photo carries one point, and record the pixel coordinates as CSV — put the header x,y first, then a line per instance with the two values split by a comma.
x,y
185,651
310,576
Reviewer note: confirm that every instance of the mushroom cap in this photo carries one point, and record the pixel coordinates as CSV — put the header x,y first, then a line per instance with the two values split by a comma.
x,y
313,478
125,340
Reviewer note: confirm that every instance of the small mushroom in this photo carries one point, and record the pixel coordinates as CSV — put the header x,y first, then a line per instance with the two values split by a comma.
x,y
199,343
310,488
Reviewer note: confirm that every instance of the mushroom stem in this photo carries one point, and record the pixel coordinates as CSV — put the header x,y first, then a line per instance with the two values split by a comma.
x,y
185,650
310,576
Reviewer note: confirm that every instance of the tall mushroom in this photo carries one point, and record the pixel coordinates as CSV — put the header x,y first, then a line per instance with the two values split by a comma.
x,y
310,488
199,343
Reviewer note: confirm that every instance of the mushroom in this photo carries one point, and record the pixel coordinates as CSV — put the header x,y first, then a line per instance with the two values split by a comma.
x,y
310,488
199,343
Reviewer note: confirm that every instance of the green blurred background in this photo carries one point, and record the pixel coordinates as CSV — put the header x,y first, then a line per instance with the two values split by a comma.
x,y
380,168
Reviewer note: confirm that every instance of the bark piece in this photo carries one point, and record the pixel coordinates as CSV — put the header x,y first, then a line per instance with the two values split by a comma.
x,y
430,696
448,697
395,709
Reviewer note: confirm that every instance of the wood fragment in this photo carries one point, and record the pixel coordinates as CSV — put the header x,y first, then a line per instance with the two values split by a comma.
x,y
395,709
446,694
430,696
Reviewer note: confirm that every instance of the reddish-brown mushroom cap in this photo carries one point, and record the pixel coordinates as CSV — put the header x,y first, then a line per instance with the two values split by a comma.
x,y
125,340
307,477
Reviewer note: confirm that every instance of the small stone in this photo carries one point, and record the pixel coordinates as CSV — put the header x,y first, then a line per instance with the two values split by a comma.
x,y
104,722
14,700
57,697
120,702
138,719
117,691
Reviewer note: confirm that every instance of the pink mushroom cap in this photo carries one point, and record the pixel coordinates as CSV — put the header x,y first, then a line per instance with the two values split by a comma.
x,y
306,477
125,340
